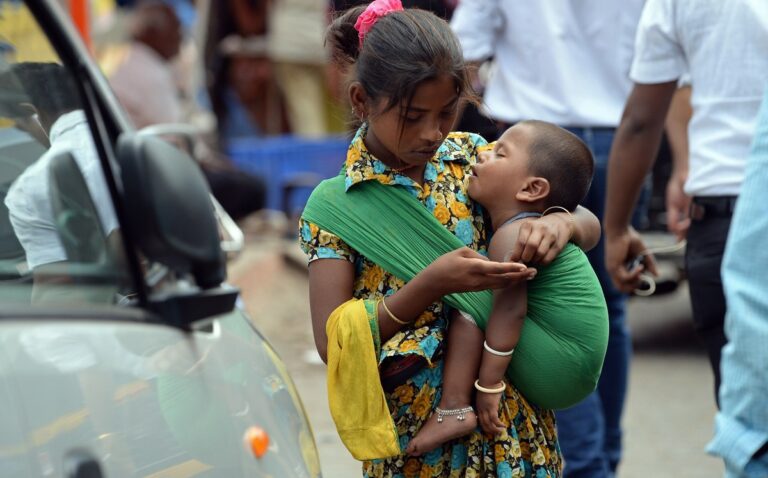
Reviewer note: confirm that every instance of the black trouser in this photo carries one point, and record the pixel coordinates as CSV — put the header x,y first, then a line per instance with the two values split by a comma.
x,y
238,192
710,221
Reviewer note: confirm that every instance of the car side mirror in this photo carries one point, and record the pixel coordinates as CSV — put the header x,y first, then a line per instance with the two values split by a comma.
x,y
187,136
171,217
169,208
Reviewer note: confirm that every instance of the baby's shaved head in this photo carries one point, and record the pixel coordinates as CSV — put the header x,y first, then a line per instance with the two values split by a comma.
x,y
561,158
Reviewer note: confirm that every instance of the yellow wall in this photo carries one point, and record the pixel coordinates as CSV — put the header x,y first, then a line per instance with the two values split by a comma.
x,y
20,29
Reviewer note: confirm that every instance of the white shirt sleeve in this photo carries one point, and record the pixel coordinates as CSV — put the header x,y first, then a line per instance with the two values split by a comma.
x,y
29,212
477,23
659,57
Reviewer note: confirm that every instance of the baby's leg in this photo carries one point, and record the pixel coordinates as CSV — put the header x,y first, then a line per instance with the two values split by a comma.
x,y
462,360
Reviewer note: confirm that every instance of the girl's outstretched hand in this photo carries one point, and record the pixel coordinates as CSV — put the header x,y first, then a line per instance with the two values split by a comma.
x,y
464,270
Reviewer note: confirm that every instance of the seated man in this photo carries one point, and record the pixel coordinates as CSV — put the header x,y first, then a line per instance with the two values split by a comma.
x,y
144,82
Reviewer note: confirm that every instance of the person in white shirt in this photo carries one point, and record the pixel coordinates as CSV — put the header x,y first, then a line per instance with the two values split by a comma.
x,y
295,45
722,45
567,63
53,98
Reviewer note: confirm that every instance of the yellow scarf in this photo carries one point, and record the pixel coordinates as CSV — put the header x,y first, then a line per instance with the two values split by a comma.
x,y
355,395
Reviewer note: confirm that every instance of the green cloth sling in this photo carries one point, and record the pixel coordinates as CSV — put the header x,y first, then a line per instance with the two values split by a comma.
x,y
551,370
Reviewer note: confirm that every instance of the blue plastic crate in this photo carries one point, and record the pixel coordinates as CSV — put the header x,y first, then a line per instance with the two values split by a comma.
x,y
282,159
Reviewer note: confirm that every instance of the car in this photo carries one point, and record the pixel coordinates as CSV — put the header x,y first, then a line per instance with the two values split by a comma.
x,y
123,351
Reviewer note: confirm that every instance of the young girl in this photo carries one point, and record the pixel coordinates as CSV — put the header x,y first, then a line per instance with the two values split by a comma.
x,y
409,78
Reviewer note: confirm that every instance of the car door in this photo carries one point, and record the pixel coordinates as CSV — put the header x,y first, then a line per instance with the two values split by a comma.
x,y
116,359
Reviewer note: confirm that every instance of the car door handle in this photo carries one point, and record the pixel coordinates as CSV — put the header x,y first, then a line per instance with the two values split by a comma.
x,y
81,464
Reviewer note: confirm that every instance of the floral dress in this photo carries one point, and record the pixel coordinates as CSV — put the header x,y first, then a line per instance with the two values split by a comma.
x,y
529,448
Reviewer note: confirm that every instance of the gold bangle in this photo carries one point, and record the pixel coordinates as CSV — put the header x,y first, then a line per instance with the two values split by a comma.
x,y
556,208
391,315
498,389
571,219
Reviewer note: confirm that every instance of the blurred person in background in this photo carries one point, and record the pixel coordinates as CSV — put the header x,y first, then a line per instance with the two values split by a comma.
x,y
239,73
741,437
295,42
142,77
566,63
721,45
141,73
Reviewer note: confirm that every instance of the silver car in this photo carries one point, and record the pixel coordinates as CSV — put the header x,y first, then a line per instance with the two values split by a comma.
x,y
122,350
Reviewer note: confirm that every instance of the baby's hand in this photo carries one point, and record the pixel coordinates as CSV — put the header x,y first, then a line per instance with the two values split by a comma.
x,y
488,412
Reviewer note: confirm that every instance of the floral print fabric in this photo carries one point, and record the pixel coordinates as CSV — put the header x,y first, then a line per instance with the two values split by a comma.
x,y
529,447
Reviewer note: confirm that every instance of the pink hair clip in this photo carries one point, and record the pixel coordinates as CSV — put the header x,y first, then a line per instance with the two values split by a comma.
x,y
376,10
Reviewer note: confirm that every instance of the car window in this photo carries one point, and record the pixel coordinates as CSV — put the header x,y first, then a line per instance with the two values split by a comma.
x,y
59,235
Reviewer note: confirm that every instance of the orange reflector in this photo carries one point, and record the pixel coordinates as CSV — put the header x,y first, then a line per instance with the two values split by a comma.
x,y
257,440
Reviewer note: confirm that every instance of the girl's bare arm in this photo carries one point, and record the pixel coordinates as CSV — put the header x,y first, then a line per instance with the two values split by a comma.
x,y
331,282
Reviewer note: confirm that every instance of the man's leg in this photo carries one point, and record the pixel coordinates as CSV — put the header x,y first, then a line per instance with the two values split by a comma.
x,y
704,255
580,432
590,432
612,387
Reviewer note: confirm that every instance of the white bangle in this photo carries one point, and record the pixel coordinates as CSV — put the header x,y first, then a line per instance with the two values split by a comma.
x,y
497,352
498,389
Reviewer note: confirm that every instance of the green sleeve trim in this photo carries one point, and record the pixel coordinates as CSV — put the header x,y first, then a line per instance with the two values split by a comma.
x,y
372,309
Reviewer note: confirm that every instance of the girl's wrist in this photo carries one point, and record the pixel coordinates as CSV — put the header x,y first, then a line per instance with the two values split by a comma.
x,y
489,382
428,285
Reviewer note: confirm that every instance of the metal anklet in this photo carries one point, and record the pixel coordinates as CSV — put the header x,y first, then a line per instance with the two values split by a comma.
x,y
460,413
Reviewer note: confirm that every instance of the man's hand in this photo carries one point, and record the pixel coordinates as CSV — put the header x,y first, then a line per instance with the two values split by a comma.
x,y
678,205
620,249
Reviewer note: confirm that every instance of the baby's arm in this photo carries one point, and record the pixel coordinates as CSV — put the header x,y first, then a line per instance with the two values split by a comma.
x,y
501,334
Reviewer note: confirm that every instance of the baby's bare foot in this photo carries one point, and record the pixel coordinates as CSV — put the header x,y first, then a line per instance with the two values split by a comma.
x,y
434,433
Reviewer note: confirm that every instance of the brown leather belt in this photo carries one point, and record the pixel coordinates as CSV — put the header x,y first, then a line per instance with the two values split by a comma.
x,y
712,206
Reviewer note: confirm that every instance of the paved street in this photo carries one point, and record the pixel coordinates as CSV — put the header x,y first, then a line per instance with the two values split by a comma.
x,y
670,408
